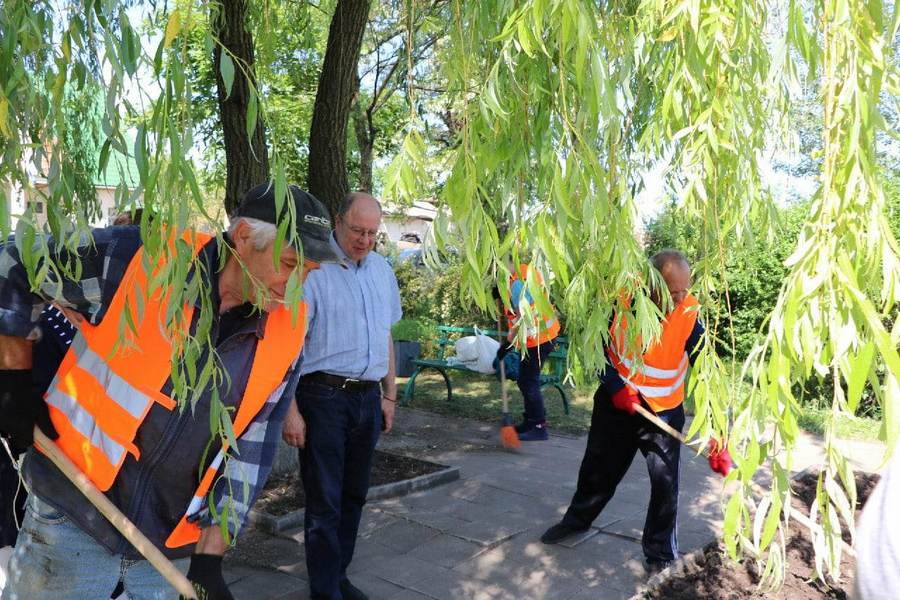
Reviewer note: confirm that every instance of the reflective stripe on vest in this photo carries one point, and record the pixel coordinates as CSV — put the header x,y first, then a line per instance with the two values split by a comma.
x,y
660,376
545,331
281,344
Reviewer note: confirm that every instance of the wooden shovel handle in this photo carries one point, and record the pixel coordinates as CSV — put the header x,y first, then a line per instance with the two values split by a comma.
x,y
795,514
156,558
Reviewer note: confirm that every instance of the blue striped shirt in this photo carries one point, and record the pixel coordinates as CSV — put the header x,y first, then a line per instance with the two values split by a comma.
x,y
350,312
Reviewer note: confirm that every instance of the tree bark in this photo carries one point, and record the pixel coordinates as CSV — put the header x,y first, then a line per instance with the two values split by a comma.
x,y
334,97
246,157
365,140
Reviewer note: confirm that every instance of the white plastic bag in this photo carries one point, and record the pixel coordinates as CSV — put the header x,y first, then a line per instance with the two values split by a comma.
x,y
477,352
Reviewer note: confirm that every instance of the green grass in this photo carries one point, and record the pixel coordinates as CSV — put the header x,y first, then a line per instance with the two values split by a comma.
x,y
478,397
848,428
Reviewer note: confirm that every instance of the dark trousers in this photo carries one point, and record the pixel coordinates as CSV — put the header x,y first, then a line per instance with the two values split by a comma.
x,y
529,381
614,438
342,428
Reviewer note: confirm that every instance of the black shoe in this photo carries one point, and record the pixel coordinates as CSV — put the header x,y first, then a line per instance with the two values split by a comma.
x,y
351,592
561,531
525,425
655,566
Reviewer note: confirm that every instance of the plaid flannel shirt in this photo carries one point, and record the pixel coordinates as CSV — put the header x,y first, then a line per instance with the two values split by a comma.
x,y
103,265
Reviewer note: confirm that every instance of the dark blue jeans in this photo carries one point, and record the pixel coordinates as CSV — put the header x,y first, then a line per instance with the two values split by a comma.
x,y
529,381
342,428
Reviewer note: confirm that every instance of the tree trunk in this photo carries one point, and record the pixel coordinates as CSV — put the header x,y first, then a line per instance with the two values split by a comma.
x,y
334,97
246,157
365,140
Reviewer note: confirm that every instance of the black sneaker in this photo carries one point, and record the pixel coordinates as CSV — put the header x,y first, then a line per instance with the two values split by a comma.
x,y
351,592
537,433
655,566
561,531
525,425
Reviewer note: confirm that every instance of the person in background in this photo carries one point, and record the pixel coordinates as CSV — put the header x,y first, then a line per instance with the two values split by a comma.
x,y
540,343
877,540
347,394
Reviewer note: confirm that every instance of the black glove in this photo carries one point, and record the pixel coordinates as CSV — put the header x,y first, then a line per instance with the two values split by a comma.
x,y
21,408
205,573
502,351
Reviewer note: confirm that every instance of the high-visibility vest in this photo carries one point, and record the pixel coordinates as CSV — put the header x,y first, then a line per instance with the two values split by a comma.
x,y
104,389
539,333
659,377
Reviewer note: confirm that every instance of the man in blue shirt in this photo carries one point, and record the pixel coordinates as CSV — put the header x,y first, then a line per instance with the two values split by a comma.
x,y
347,394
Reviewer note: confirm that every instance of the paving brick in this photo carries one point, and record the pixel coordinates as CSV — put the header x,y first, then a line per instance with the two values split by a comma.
x,y
574,540
266,585
435,520
447,551
376,588
403,536
404,571
374,520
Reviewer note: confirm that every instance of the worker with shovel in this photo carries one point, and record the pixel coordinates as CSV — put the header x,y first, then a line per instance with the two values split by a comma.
x,y
110,409
656,382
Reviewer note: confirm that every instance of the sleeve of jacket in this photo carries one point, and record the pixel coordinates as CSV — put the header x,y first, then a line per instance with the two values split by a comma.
x,y
695,341
102,260
248,466
610,379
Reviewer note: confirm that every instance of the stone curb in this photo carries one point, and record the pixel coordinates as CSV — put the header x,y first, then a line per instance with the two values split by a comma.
x,y
275,524
688,563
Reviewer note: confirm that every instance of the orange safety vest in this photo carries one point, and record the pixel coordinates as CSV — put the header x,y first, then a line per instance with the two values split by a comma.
x,y
546,331
660,376
101,394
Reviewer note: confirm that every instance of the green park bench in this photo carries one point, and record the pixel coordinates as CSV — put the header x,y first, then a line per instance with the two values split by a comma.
x,y
449,335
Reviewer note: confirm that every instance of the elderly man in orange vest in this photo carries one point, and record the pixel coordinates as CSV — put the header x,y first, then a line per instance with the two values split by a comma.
x,y
617,433
110,407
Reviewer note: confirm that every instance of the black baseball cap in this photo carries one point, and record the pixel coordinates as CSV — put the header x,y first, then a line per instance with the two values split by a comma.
x,y
313,224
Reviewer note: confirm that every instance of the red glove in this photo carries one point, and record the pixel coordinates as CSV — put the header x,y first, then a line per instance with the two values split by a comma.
x,y
719,458
626,399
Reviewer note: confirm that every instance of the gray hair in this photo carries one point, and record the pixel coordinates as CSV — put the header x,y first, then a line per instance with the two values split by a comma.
x,y
668,256
262,233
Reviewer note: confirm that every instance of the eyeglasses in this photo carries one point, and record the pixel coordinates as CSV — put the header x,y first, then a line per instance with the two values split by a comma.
x,y
360,231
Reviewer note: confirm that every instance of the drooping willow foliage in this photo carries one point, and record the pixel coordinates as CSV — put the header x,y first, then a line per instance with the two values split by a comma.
x,y
52,51
559,108
563,105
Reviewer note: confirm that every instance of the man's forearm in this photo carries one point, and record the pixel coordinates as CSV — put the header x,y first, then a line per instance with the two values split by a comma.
x,y
388,382
15,353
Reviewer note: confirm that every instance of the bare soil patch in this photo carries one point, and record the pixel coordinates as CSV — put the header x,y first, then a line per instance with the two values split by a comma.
x,y
718,578
284,492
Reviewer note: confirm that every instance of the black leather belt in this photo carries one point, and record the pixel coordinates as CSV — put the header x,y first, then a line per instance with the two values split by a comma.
x,y
336,381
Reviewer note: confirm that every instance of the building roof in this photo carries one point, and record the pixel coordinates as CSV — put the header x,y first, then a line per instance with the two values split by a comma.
x,y
119,168
420,209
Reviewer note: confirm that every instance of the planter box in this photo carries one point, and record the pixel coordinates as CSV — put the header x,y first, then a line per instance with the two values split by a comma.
x,y
404,354
277,523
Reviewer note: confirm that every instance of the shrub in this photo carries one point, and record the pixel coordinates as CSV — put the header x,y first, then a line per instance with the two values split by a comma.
x,y
434,297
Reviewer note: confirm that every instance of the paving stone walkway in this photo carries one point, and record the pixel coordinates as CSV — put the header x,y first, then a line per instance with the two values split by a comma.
x,y
477,538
